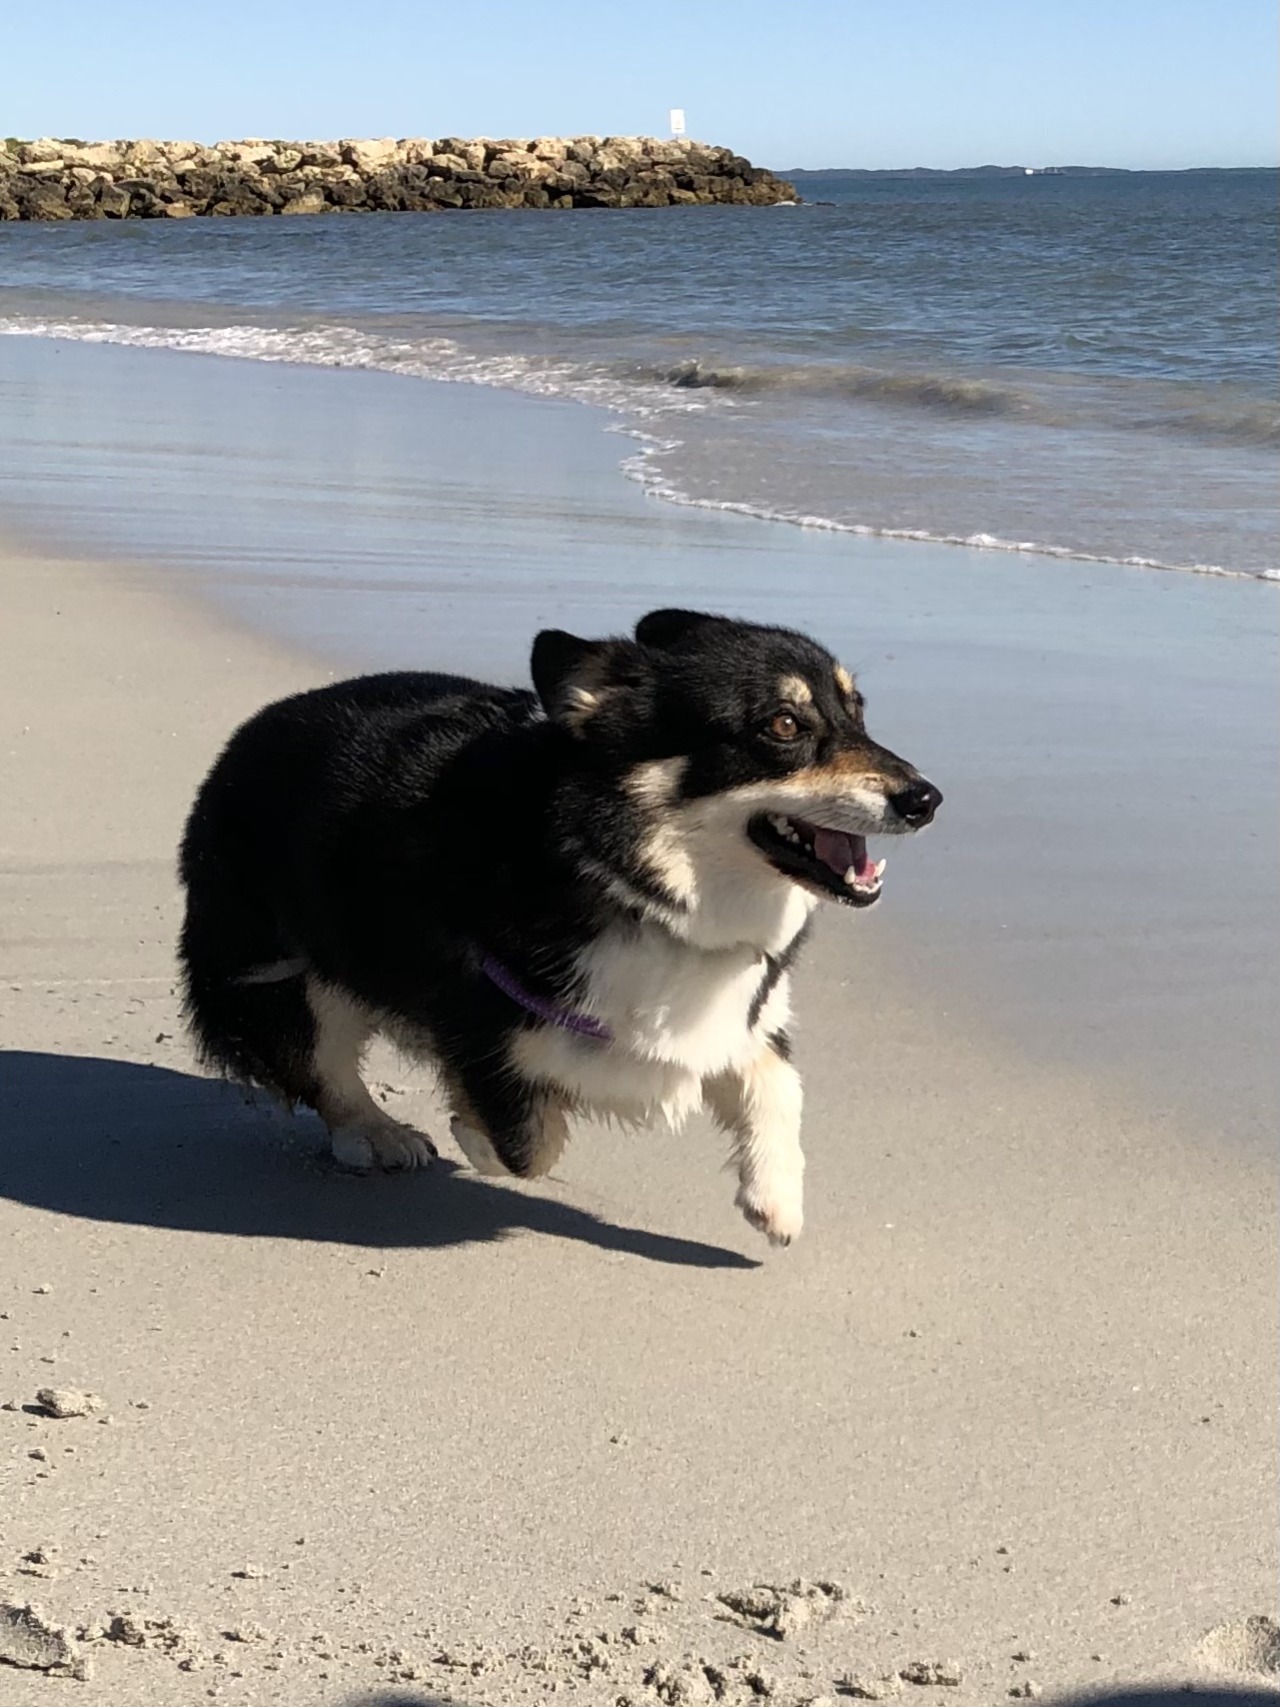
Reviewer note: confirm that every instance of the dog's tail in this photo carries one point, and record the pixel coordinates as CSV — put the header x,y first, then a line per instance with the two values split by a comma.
x,y
244,988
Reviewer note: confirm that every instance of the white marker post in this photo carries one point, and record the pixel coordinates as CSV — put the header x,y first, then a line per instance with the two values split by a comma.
x,y
677,121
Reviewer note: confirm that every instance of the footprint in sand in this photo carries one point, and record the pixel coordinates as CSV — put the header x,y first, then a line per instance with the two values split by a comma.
x,y
1248,1647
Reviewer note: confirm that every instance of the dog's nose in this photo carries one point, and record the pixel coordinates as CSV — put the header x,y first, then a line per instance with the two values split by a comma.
x,y
916,803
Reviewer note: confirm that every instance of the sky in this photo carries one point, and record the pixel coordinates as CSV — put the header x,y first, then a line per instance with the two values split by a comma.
x,y
1139,83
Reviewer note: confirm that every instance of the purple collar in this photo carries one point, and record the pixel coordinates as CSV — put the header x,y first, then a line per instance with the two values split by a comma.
x,y
582,1025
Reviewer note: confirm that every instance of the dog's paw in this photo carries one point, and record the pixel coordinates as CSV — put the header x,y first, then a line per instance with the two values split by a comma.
x,y
366,1144
776,1212
476,1147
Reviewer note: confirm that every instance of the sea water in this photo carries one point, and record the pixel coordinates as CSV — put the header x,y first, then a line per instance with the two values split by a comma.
x,y
1074,366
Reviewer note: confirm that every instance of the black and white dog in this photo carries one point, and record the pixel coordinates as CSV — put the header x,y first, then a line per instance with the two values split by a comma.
x,y
586,898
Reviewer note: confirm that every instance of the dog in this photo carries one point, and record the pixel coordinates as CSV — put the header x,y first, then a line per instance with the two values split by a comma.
x,y
583,899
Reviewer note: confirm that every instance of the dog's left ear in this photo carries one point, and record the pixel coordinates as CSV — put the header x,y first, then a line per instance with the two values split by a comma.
x,y
669,628
577,680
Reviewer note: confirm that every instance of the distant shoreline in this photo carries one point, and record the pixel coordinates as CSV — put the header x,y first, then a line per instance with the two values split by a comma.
x,y
802,172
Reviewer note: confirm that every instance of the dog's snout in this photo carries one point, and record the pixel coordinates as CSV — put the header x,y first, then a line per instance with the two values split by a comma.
x,y
916,803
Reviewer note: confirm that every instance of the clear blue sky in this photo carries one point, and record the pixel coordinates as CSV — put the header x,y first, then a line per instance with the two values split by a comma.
x,y
1155,83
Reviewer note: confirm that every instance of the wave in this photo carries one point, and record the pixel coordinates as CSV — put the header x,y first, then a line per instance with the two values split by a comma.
x,y
641,467
953,393
648,394
1244,424
328,345
646,388
1242,421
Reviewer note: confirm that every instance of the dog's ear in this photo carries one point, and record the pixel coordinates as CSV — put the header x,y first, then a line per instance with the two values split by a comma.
x,y
667,628
578,679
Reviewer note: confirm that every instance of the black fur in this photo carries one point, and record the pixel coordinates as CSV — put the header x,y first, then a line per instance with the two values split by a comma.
x,y
392,830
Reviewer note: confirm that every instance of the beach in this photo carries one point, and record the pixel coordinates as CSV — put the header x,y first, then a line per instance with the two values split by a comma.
x,y
427,1439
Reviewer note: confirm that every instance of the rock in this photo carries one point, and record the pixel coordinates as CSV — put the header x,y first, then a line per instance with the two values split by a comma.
x,y
250,153
782,1612
52,179
311,201
32,154
324,154
28,1639
284,160
369,156
347,192
40,198
113,201
524,168
142,157
944,1674
201,183
682,1685
865,1688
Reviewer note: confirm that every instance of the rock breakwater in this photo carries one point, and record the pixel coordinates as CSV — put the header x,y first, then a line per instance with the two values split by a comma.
x,y
55,179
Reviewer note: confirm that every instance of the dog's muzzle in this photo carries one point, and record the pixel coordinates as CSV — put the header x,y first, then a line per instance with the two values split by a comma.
x,y
835,863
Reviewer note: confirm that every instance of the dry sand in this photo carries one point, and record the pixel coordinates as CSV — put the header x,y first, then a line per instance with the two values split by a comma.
x,y
1000,1426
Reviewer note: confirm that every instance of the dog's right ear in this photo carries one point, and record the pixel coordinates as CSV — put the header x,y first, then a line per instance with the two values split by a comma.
x,y
576,679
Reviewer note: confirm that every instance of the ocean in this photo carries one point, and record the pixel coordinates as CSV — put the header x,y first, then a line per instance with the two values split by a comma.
x,y
1083,368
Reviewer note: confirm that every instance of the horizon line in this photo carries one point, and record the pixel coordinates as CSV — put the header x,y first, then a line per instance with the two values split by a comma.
x,y
1021,166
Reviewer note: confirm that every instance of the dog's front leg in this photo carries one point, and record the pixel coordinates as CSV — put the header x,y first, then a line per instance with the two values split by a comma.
x,y
506,1127
759,1107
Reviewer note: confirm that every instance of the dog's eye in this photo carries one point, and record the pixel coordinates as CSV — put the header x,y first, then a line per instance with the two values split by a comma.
x,y
784,726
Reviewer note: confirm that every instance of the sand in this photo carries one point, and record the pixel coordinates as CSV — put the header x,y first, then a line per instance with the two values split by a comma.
x,y
1000,1426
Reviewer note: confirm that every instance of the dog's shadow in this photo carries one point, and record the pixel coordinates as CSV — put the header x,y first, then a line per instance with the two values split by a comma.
x,y
117,1141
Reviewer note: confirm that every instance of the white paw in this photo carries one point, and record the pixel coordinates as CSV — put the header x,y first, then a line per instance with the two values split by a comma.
x,y
776,1210
365,1144
476,1147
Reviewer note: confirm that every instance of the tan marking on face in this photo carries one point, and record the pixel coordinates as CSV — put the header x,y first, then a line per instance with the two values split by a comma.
x,y
654,787
843,767
844,681
655,783
795,689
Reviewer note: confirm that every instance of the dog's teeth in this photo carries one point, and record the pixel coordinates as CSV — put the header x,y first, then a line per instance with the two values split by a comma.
x,y
865,885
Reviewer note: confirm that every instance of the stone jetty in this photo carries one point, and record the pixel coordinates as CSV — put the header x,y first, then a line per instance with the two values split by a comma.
x,y
52,178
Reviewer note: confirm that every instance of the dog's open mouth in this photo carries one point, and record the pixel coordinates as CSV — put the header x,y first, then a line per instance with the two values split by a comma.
x,y
833,862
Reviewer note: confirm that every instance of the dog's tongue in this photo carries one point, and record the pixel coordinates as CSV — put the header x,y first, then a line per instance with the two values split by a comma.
x,y
840,852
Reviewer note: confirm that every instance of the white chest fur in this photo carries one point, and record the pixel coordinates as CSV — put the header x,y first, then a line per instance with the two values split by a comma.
x,y
678,1014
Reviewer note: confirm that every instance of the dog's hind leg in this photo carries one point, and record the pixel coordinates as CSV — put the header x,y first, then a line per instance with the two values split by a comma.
x,y
759,1107
505,1128
362,1134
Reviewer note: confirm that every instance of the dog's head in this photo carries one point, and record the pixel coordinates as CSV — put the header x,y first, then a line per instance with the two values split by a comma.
x,y
725,732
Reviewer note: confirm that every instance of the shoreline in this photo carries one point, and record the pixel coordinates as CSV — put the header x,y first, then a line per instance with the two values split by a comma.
x,y
644,466
369,521
1018,1298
